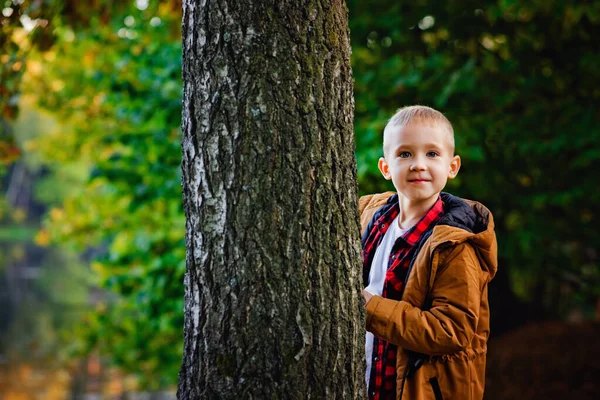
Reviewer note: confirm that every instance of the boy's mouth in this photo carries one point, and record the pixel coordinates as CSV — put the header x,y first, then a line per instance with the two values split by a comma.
x,y
418,180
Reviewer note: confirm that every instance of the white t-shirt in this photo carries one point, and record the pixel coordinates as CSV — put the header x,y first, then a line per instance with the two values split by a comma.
x,y
377,278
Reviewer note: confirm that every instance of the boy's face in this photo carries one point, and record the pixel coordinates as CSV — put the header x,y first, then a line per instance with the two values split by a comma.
x,y
419,159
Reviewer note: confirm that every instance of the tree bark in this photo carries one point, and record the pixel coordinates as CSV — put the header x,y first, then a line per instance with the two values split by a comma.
x,y
272,306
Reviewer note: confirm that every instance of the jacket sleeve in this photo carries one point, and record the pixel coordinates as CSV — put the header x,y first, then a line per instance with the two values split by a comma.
x,y
451,322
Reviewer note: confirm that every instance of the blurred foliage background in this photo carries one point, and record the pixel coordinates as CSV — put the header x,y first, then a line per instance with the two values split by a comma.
x,y
92,226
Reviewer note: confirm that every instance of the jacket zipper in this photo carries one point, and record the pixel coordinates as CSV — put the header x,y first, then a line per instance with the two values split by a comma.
x,y
404,379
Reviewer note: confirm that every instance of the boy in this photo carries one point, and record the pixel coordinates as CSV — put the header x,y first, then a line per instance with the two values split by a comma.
x,y
427,259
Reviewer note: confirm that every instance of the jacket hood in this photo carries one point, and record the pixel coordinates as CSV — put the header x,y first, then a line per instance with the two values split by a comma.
x,y
466,220
463,220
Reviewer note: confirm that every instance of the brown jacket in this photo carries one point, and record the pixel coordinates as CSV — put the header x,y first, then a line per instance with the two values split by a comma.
x,y
462,256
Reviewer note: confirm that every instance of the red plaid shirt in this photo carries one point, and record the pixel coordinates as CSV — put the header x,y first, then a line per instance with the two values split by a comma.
x,y
382,382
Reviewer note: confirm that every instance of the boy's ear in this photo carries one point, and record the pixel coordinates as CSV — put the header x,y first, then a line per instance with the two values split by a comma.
x,y
454,167
384,168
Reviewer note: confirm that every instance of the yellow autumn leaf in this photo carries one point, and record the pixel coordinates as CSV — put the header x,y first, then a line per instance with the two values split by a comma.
x,y
57,214
42,238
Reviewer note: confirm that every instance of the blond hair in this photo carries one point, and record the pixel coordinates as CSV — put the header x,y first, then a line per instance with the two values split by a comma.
x,y
423,114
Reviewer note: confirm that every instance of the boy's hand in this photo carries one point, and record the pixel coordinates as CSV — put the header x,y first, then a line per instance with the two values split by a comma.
x,y
367,296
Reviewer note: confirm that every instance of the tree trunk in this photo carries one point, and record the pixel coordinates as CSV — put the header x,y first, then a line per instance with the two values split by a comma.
x,y
272,306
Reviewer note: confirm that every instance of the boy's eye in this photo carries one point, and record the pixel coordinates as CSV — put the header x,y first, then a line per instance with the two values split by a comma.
x,y
432,154
404,154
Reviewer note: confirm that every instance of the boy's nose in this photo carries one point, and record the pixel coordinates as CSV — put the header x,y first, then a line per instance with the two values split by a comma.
x,y
417,166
